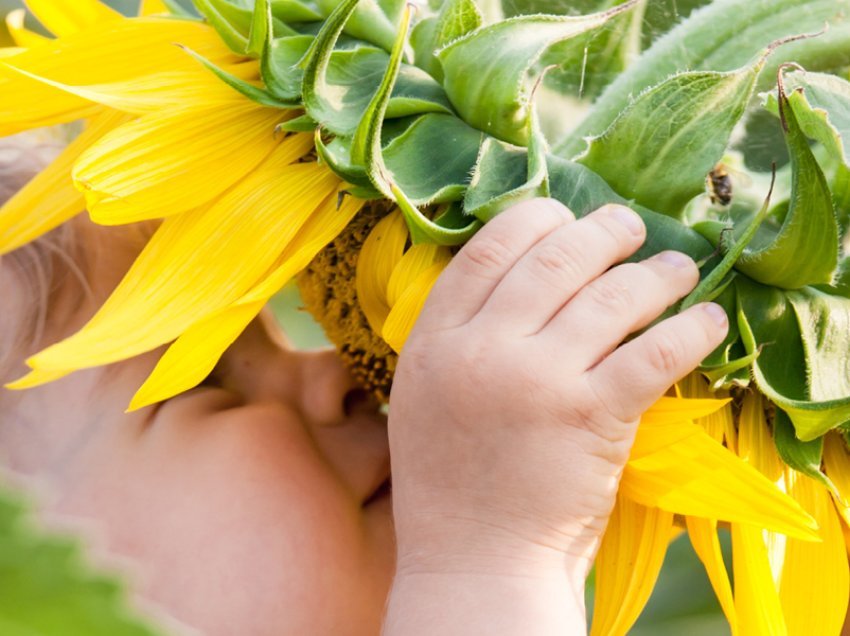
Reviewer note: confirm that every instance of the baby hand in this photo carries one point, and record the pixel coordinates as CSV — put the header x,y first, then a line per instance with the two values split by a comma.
x,y
514,404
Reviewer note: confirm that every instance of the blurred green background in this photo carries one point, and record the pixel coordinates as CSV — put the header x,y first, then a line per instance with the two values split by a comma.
x,y
682,603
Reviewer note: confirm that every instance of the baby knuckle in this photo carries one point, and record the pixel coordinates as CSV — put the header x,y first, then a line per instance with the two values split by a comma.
x,y
665,354
557,262
611,295
487,253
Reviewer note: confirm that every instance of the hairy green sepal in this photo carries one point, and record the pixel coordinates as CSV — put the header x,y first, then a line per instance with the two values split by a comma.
x,y
490,73
661,147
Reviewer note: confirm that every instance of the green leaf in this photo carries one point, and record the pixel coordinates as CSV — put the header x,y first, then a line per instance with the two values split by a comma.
x,y
583,191
821,105
291,11
252,92
660,149
366,150
804,250
338,86
302,123
589,62
316,60
455,19
232,23
840,188
499,170
262,30
841,285
279,66
48,589
422,39
728,365
487,197
368,22
353,78
804,457
707,287
490,73
824,322
433,159
337,155
733,373
720,37
803,337
393,10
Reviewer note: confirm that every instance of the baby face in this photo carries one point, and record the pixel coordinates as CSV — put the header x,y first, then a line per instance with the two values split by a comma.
x,y
254,504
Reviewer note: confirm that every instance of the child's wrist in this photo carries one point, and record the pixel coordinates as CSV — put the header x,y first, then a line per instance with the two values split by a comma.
x,y
455,594
492,554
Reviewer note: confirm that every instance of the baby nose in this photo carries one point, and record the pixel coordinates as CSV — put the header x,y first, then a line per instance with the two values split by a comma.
x,y
260,366
329,395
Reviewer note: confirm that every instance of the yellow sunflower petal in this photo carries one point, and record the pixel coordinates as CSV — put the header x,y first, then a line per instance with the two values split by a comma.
x,y
755,443
71,16
679,468
152,7
129,48
703,536
381,252
157,91
408,307
35,378
846,532
21,35
328,220
836,461
415,261
166,163
50,198
195,353
628,564
756,598
815,581
717,424
193,356
672,410
197,263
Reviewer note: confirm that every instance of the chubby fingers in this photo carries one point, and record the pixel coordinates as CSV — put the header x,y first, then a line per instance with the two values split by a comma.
x,y
549,274
477,269
634,376
621,301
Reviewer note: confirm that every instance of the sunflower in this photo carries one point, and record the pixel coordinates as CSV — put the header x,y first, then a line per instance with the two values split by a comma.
x,y
342,143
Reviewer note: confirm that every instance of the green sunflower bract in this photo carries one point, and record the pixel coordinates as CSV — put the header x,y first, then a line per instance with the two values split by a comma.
x,y
276,122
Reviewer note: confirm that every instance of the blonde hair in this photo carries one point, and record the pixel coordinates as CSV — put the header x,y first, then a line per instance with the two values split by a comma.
x,y
64,259
28,275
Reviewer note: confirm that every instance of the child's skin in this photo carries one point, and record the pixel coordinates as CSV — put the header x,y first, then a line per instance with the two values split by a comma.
x,y
246,506
504,483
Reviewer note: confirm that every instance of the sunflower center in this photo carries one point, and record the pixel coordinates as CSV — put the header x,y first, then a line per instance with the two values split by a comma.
x,y
329,292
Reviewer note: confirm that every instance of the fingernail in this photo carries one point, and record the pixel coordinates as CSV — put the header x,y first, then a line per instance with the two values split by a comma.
x,y
717,314
676,259
629,219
